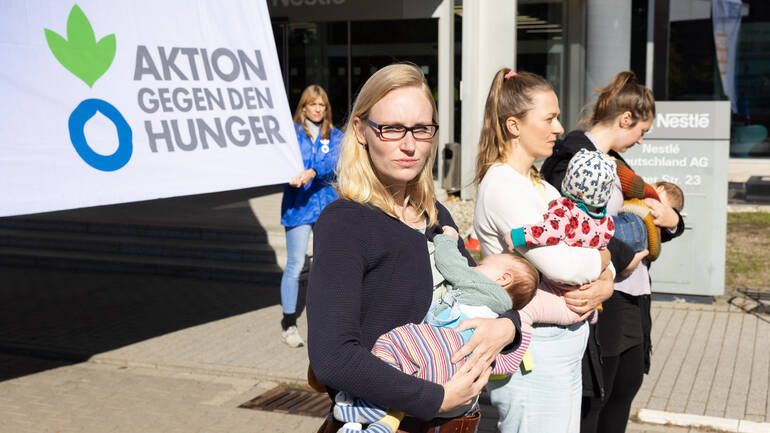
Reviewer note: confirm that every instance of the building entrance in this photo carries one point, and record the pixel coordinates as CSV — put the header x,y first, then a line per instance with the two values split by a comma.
x,y
340,56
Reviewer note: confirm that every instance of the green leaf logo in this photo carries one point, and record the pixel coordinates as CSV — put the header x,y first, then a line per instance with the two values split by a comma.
x,y
80,53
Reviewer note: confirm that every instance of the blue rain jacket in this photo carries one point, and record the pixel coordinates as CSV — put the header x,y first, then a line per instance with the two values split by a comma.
x,y
303,205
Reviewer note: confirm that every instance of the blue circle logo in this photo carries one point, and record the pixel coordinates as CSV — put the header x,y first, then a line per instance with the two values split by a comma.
x,y
77,122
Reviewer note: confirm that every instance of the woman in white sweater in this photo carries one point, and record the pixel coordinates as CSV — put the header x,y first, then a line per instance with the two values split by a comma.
x,y
520,125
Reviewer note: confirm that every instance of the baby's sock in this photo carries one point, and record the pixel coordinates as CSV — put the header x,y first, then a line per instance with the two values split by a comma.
x,y
388,424
353,410
378,427
351,427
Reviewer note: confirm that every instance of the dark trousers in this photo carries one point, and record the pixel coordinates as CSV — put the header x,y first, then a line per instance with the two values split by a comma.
x,y
610,383
622,376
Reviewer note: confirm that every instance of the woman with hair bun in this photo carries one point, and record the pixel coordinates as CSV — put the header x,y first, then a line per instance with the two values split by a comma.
x,y
521,124
618,352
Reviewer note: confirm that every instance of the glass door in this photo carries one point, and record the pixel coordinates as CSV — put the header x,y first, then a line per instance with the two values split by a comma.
x,y
540,36
315,53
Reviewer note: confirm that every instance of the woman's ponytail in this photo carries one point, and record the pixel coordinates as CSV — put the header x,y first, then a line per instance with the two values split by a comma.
x,y
492,139
510,95
623,94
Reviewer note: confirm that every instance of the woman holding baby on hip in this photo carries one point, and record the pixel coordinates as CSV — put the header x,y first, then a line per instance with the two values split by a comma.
x,y
615,366
520,125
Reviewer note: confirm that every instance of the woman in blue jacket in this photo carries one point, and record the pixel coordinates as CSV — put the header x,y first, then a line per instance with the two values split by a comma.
x,y
306,195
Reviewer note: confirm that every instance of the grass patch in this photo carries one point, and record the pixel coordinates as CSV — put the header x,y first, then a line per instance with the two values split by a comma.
x,y
749,218
747,256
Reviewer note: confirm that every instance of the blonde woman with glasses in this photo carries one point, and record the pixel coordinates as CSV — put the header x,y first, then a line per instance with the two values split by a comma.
x,y
372,268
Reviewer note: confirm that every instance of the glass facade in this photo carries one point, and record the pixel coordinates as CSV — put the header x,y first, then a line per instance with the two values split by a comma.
x,y
340,56
315,53
540,37
693,72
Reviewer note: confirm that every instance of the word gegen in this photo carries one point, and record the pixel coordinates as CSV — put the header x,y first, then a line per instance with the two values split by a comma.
x,y
184,99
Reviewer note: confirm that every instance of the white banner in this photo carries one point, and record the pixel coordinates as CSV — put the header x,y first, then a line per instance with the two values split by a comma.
x,y
108,102
726,16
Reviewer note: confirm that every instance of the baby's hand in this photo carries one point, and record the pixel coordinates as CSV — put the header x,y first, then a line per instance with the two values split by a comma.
x,y
451,232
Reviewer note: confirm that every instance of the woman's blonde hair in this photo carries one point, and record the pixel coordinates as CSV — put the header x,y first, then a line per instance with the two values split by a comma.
x,y
356,178
508,97
310,94
621,95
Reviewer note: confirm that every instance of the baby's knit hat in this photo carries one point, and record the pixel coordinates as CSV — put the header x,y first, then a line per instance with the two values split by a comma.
x,y
589,178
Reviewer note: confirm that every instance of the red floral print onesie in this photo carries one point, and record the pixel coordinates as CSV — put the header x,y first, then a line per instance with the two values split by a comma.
x,y
565,222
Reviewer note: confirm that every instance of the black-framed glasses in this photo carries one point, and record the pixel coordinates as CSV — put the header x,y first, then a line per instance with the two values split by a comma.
x,y
397,132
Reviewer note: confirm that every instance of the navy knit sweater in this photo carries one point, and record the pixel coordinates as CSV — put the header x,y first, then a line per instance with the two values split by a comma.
x,y
371,273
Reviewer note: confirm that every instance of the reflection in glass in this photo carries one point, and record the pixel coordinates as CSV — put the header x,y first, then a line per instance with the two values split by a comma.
x,y
540,41
693,74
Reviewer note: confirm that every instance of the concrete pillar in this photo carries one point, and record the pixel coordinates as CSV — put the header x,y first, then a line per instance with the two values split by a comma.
x,y
489,43
650,53
608,42
574,95
446,79
661,25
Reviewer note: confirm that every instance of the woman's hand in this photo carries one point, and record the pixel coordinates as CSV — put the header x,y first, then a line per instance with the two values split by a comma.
x,y
465,385
489,338
662,215
588,296
303,178
509,242
634,263
606,257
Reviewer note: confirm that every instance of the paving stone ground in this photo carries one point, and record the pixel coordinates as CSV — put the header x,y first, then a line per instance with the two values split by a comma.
x,y
91,397
160,354
710,360
99,352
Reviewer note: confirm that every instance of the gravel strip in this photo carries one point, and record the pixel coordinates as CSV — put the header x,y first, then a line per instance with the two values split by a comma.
x,y
462,213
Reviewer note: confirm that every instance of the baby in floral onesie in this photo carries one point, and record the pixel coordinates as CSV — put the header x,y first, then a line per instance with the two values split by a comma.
x,y
580,217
